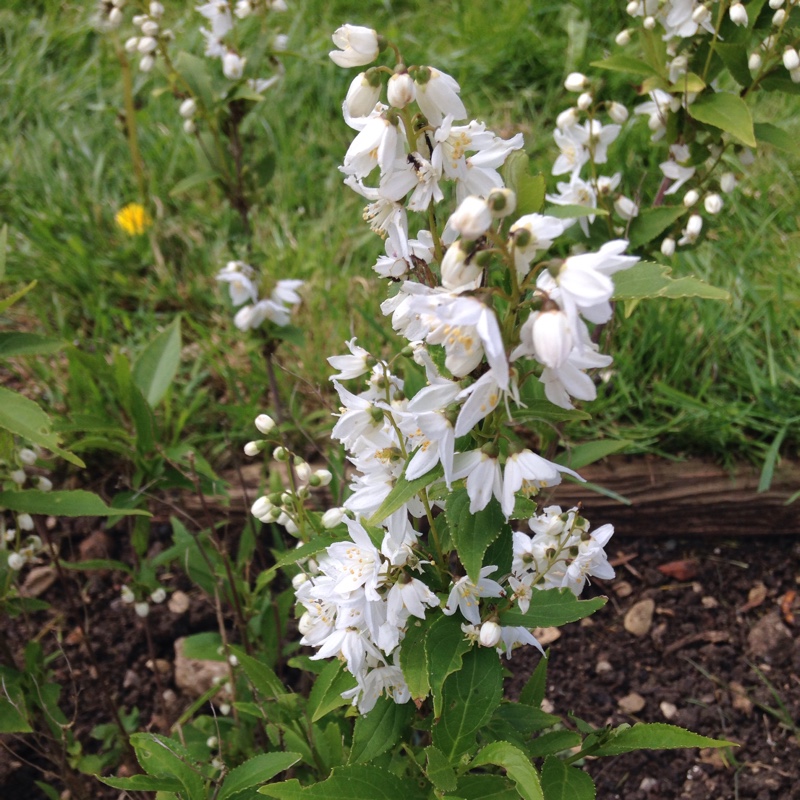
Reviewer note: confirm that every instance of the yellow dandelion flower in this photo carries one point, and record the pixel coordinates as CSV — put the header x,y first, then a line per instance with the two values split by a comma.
x,y
133,219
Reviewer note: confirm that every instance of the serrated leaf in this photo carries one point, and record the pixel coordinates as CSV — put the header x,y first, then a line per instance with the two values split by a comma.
x,y
472,533
26,419
353,782
163,757
3,248
97,563
515,723
485,787
726,111
438,770
546,411
652,222
777,137
552,608
561,782
470,697
13,711
13,298
75,503
414,659
650,280
584,454
199,178
775,82
327,692
403,492
142,783
623,63
446,646
27,344
657,736
256,771
533,693
157,364
380,730
553,742
573,212
517,766
263,677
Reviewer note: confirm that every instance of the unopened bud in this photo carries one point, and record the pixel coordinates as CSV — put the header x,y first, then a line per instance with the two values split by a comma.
x,y
142,609
738,14
400,91
188,108
27,456
150,28
332,517
668,247
490,634
648,23
156,10
25,522
584,101
261,507
567,118
700,14
131,44
502,202
617,112
146,63
147,44
252,448
779,17
189,127
791,60
632,8
45,484
694,225
280,454
623,38
691,197
576,82
322,477
754,62
16,561
472,218
713,203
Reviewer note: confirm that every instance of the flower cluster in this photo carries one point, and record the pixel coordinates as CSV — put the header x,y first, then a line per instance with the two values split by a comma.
x,y
254,311
151,36
487,307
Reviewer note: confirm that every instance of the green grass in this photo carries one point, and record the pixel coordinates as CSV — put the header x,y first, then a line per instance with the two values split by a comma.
x,y
689,376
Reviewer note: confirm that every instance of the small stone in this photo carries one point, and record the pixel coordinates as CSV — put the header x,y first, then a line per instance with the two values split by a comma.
x,y
622,589
770,640
131,679
178,602
640,617
710,602
195,676
547,706
669,710
632,703
96,545
547,635
603,667
648,785
38,581
739,699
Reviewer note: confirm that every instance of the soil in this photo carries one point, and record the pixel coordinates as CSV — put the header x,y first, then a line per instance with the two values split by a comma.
x,y
720,656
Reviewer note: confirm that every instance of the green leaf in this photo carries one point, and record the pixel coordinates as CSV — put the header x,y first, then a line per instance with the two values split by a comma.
x,y
380,730
652,222
446,647
515,723
163,757
725,111
485,787
199,178
775,82
13,711
584,454
561,782
552,608
157,364
517,766
545,411
255,771
470,697
142,783
27,344
439,771
533,693
263,677
13,298
777,137
623,63
472,533
327,692
205,646
656,736
75,503
25,419
765,481
195,71
553,742
353,782
573,212
414,659
97,563
649,280
734,56
3,248
403,491
530,189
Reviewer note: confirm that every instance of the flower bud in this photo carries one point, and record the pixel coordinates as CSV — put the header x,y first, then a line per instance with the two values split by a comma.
x,y
146,63
791,60
18,476
147,44
472,218
188,108
567,118
691,197
648,23
694,225
25,522
623,38
617,112
264,423
632,8
400,90
291,526
224,709
363,94
156,10
576,82
795,75
252,448
115,17
233,661
261,507
16,561
490,634
212,742
700,14
502,202
713,203
142,609
584,101
233,65
280,454
456,272
189,127
299,579
44,484
754,62
357,46
779,17
243,9
126,595
323,476
150,28
551,337
727,182
158,595
131,44
738,14
138,19
668,247
775,4
626,208
27,456
332,517
303,471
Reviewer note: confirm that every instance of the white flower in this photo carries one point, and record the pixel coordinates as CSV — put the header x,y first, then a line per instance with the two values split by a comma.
x,y
188,108
577,192
458,273
548,336
218,13
626,208
529,472
738,14
465,595
489,634
574,152
238,276
598,138
400,90
530,235
484,478
233,65
437,95
357,46
363,94
264,423
16,561
576,82
472,218
352,366
27,456
713,203
668,247
617,112
377,144
332,517
514,636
